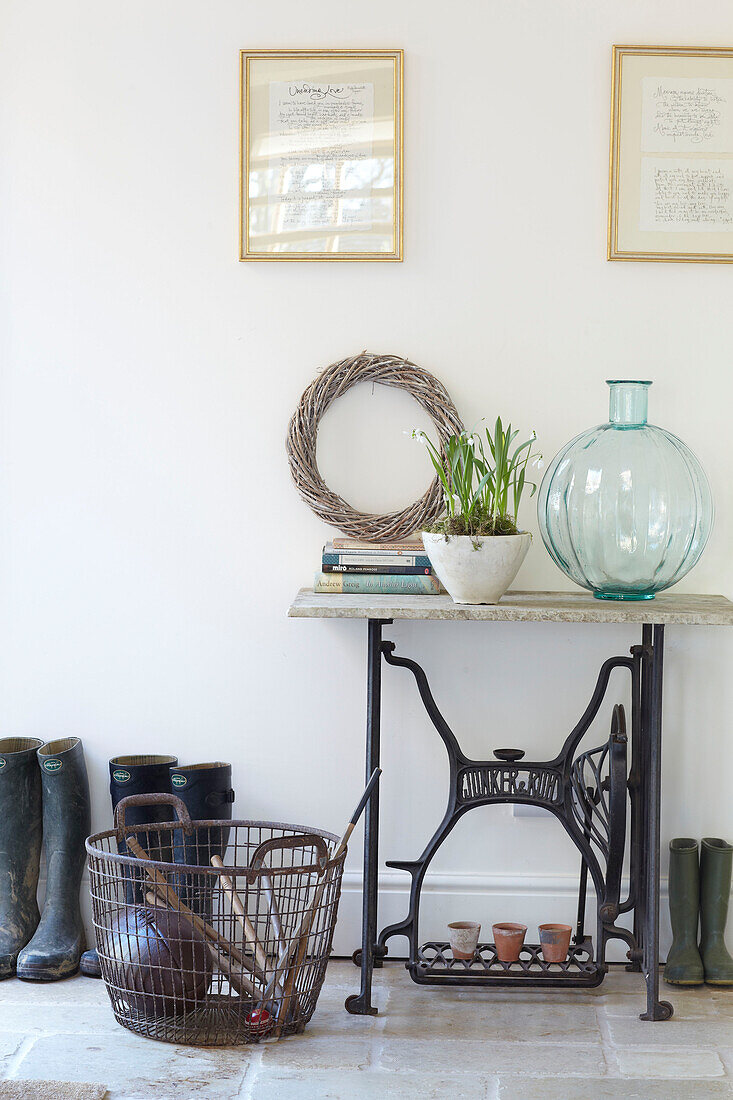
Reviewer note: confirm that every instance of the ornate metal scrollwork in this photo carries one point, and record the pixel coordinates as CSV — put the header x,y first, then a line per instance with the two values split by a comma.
x,y
598,783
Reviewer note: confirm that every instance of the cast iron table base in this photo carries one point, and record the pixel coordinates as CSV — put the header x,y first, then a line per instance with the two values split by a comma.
x,y
592,793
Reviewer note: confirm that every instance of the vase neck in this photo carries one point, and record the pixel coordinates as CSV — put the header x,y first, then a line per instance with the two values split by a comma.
x,y
628,403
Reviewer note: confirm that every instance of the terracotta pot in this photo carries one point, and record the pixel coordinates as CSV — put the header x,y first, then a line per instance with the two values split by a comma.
x,y
476,570
508,940
555,942
463,935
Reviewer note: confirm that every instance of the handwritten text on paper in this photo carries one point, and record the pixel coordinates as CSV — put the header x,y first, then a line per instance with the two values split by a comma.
x,y
692,195
687,115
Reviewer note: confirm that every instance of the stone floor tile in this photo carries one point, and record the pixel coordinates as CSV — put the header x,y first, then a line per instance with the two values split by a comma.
x,y
723,1001
670,1063
478,1057
77,990
410,993
726,1057
35,1019
366,1085
314,1050
130,1065
620,980
687,1005
9,1043
706,1033
507,1022
608,1088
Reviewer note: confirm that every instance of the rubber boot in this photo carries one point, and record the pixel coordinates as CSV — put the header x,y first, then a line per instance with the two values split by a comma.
x,y
20,846
684,965
58,941
137,775
206,790
716,857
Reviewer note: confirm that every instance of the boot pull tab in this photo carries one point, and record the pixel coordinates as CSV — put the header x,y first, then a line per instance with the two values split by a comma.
x,y
161,799
219,798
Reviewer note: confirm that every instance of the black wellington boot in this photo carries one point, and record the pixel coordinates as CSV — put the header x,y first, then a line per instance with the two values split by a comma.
x,y
58,942
20,846
144,775
206,791
138,775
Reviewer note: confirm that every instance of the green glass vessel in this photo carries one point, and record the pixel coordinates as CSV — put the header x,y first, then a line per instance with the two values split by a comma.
x,y
625,509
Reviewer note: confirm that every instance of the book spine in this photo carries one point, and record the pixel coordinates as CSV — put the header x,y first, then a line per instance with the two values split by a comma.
x,y
375,560
385,570
374,584
409,547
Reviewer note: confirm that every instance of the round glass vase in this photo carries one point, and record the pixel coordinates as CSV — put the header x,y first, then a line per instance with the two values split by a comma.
x,y
625,509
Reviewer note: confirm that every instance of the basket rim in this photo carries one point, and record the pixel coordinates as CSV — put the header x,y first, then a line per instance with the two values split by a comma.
x,y
199,869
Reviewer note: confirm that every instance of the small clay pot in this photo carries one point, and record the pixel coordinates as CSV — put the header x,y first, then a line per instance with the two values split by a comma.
x,y
508,940
463,935
555,942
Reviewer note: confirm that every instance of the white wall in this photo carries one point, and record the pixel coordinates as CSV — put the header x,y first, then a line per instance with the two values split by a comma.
x,y
150,538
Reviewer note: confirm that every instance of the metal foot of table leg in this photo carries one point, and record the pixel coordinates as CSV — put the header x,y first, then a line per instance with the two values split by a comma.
x,y
358,1005
662,1010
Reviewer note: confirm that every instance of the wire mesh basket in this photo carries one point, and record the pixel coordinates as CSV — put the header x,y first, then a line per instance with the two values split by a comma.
x,y
213,955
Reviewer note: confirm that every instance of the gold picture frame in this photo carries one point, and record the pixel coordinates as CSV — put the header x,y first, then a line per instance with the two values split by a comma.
x,y
671,159
321,155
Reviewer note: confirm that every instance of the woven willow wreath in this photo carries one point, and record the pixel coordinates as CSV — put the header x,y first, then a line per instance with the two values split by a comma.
x,y
387,370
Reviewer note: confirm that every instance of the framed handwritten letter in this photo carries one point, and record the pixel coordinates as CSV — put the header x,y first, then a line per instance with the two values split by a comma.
x,y
321,155
671,174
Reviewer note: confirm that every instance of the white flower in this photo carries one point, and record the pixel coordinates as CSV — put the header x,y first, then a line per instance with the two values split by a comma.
x,y
416,434
538,463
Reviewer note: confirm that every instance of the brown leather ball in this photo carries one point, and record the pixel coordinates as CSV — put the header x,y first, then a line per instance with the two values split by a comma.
x,y
162,966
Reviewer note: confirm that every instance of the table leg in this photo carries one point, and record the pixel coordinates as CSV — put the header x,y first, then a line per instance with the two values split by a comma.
x,y
655,1009
360,1003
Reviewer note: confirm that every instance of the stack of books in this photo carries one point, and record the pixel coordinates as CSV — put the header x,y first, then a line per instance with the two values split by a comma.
x,y
392,568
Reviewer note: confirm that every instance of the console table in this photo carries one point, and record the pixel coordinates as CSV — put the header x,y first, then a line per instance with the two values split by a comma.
x,y
595,794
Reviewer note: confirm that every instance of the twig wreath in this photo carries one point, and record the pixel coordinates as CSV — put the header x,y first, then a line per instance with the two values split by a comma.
x,y
387,370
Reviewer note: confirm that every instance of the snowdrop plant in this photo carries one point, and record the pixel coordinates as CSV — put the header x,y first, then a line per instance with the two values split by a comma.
x,y
483,481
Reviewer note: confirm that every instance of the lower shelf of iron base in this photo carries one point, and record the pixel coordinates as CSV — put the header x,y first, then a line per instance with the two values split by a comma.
x,y
435,965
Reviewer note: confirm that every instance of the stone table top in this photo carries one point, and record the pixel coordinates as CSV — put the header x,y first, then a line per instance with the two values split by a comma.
x,y
553,607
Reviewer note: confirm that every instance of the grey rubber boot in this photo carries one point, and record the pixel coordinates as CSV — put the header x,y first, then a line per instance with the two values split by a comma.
x,y
20,846
716,858
58,942
206,790
137,775
684,965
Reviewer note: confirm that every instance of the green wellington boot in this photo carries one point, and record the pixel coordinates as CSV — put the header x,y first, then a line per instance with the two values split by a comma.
x,y
684,965
58,942
20,846
716,858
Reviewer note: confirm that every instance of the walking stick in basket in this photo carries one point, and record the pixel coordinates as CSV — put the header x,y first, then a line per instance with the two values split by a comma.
x,y
240,914
299,943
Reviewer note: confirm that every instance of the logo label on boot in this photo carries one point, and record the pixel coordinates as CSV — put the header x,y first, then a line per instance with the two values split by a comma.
x,y
3,762
120,775
178,781
52,765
